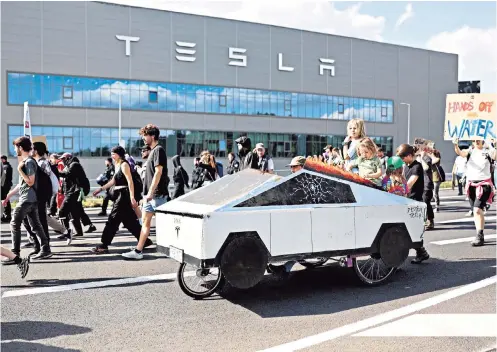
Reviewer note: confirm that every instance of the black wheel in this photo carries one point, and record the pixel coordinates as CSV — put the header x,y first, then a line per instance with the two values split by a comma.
x,y
199,283
371,270
313,263
244,261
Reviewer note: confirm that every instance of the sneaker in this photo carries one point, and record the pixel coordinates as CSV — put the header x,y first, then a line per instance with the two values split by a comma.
x,y
429,225
99,250
469,213
23,267
133,254
436,210
45,254
8,262
34,252
102,213
68,237
91,229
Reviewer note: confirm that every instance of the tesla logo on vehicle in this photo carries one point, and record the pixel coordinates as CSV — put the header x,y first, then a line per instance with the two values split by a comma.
x,y
177,220
177,228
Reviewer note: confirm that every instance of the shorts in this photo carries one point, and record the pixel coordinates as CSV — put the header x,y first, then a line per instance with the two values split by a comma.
x,y
482,202
151,207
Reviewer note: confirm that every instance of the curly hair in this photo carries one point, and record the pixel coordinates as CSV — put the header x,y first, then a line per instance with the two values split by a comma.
x,y
150,130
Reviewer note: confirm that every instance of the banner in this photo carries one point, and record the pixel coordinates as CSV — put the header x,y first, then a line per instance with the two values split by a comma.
x,y
27,121
470,116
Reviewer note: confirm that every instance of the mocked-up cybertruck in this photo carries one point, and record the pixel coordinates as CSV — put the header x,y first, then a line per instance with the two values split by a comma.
x,y
234,227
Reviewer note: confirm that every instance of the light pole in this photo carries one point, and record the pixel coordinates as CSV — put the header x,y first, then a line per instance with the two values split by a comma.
x,y
408,121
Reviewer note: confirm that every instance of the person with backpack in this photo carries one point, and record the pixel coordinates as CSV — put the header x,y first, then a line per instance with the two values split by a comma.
x,y
29,191
75,186
479,185
180,177
48,185
438,177
122,192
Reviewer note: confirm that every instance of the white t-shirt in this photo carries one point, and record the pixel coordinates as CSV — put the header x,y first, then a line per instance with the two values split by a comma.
x,y
270,164
461,165
478,166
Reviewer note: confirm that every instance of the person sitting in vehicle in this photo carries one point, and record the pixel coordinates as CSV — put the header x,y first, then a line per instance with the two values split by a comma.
x,y
368,162
394,181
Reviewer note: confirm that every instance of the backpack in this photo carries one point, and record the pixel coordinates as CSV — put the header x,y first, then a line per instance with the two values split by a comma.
x,y
441,172
219,168
84,182
138,185
43,185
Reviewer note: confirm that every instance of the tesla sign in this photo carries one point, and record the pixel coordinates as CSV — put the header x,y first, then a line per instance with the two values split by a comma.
x,y
185,52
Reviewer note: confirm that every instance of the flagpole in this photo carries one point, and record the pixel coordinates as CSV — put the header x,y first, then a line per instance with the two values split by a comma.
x,y
119,116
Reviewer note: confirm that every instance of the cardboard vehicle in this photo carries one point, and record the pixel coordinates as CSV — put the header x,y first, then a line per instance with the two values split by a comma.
x,y
233,228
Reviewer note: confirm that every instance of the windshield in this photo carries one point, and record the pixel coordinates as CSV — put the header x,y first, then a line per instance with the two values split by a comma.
x,y
228,188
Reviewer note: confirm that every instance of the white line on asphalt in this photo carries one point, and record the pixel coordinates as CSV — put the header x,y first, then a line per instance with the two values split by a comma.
x,y
466,219
460,240
71,287
453,202
437,325
382,318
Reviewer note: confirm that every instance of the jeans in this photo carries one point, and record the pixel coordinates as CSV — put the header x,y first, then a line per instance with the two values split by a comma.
x,y
436,192
151,207
121,212
21,211
427,196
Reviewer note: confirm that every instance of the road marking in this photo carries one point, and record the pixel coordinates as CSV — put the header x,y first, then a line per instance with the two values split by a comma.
x,y
460,240
466,219
453,202
382,318
437,325
71,287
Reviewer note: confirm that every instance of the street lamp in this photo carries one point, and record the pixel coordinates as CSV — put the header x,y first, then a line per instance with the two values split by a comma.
x,y
408,121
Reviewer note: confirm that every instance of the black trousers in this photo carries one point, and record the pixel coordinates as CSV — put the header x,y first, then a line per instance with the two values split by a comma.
x,y
7,211
85,219
179,190
122,212
427,196
105,202
70,209
52,206
21,211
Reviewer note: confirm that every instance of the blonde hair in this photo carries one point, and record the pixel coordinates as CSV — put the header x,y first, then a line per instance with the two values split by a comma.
x,y
368,144
359,123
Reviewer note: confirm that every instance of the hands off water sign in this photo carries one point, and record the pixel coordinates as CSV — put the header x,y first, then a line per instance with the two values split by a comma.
x,y
470,116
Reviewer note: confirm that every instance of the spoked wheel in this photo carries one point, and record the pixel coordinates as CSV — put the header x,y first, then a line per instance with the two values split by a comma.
x,y
371,270
313,263
199,283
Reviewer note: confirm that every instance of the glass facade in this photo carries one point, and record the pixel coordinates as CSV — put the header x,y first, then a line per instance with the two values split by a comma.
x,y
97,142
104,93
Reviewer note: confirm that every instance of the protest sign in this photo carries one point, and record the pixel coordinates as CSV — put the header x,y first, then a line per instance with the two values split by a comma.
x,y
470,116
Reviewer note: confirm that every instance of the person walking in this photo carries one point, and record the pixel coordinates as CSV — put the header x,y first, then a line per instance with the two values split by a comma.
x,y
427,164
6,186
124,203
28,202
155,187
479,187
105,177
415,176
22,263
180,178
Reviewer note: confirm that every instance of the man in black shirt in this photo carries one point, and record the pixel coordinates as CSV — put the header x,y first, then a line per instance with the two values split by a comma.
x,y
426,163
414,174
155,187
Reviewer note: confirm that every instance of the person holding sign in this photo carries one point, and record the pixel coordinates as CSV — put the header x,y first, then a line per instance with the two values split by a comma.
x,y
479,186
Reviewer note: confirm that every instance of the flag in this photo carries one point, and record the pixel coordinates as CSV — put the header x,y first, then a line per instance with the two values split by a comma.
x,y
27,121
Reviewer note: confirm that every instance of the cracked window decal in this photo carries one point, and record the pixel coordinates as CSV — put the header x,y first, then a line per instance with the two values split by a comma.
x,y
303,189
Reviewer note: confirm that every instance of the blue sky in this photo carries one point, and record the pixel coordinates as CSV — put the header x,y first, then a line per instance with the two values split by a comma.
x,y
466,28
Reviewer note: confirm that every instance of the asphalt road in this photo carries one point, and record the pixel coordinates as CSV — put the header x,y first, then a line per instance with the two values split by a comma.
x,y
453,293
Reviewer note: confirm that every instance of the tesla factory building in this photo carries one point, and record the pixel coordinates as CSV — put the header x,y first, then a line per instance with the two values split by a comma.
x,y
206,81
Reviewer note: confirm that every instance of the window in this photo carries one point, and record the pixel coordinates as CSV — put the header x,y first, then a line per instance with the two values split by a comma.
x,y
303,189
67,92
222,101
104,93
68,143
152,96
383,112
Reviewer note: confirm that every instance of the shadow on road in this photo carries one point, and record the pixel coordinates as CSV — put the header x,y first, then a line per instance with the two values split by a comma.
x,y
332,289
17,346
37,330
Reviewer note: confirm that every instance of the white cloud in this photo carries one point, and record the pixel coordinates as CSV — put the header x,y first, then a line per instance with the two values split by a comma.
x,y
319,16
477,54
408,13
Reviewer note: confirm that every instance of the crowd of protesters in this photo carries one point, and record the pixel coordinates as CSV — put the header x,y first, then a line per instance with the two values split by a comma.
x,y
51,191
